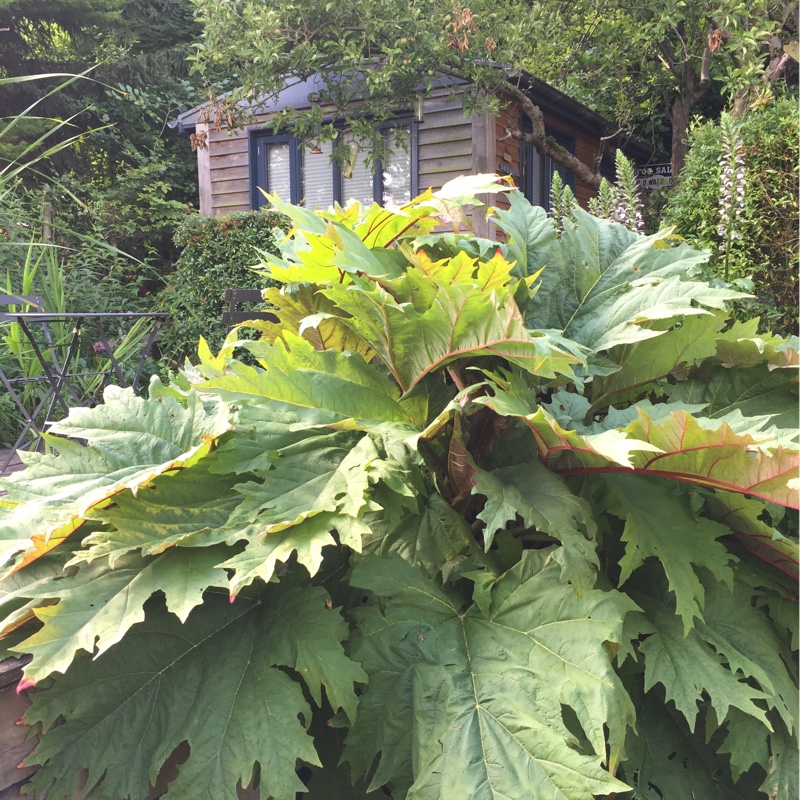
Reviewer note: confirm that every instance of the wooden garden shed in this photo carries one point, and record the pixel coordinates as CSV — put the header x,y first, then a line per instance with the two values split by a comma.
x,y
235,164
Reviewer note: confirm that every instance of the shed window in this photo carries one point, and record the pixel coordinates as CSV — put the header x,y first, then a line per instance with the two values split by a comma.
x,y
305,174
279,174
537,170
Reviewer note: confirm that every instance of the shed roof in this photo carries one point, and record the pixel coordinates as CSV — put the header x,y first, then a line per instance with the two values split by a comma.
x,y
296,95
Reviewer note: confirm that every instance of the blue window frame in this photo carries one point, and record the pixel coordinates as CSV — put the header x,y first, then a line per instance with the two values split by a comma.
x,y
537,170
305,175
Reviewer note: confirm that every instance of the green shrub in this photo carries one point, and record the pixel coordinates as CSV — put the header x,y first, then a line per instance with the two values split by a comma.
x,y
218,253
766,248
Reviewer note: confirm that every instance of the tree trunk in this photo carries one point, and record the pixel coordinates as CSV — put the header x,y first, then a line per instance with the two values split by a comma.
x,y
680,132
691,88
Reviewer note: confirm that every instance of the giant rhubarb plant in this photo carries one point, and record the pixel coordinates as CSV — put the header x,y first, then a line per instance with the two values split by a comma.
x,y
472,520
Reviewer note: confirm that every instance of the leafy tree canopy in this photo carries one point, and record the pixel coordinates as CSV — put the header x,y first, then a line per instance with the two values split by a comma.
x,y
472,520
625,60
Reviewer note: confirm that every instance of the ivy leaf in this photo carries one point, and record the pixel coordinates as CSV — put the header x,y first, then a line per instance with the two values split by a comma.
x,y
98,606
215,674
659,523
487,691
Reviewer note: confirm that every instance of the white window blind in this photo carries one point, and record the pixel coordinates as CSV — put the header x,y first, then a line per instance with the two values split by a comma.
x,y
317,188
396,172
359,186
279,174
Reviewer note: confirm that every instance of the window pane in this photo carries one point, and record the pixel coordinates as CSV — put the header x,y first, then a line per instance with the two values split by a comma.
x,y
279,174
359,186
317,189
396,171
532,169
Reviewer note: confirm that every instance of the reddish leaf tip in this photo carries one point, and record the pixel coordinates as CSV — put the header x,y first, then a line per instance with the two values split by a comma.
x,y
25,683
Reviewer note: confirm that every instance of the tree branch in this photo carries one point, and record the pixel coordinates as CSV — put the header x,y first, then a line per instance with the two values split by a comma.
x,y
546,144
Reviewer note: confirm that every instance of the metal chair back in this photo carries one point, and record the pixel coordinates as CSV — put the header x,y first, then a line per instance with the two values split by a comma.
x,y
233,315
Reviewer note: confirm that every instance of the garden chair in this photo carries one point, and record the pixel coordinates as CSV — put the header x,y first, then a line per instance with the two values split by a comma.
x,y
233,315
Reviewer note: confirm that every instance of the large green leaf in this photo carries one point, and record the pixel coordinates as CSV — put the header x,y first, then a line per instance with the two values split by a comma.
x,y
544,503
305,312
686,666
668,761
746,638
742,346
129,442
342,384
261,429
457,319
97,606
744,517
659,523
782,781
745,742
755,391
259,559
186,509
600,280
328,472
529,230
211,682
480,696
646,361
677,447
429,539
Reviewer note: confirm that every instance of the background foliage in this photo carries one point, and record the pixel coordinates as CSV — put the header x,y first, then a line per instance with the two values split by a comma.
x,y
647,67
766,248
217,253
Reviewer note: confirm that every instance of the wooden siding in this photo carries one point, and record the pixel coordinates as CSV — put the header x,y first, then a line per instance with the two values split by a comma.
x,y
449,145
225,161
444,143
